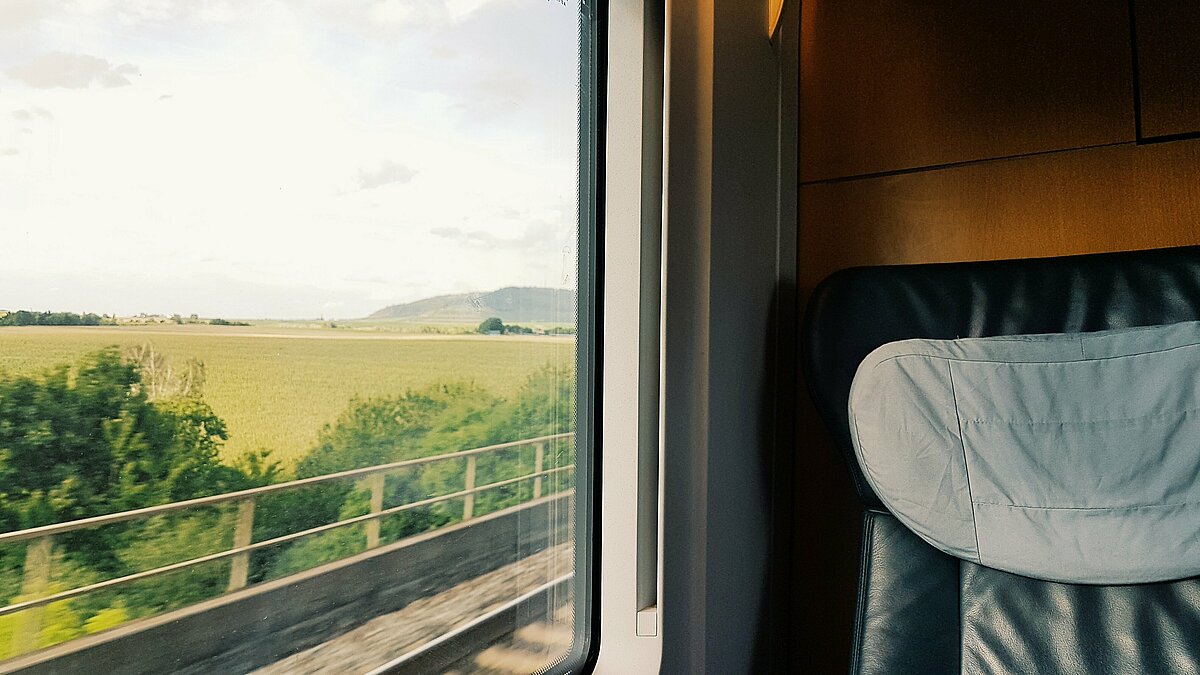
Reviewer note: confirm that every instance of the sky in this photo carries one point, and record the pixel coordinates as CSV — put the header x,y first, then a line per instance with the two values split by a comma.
x,y
284,158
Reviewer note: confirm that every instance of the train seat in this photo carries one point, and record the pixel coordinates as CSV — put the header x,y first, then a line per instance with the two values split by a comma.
x,y
922,610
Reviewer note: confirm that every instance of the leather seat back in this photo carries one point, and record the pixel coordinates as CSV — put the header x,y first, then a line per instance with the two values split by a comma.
x,y
922,611
856,310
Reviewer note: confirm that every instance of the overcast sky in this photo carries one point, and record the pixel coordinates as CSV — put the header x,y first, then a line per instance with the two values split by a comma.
x,y
283,158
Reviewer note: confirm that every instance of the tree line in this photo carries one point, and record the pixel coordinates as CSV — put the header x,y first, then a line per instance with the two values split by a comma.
x,y
27,318
24,317
494,325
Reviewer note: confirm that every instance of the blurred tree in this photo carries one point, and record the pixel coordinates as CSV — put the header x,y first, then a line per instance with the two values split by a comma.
x,y
492,325
87,440
437,420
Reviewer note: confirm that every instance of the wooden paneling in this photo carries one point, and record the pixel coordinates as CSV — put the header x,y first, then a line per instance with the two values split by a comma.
x,y
900,84
1168,58
1123,197
895,85
1087,201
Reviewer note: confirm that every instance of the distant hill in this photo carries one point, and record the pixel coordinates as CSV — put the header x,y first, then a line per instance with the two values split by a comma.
x,y
512,305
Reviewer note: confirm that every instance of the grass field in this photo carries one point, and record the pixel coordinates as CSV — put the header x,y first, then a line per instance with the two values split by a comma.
x,y
277,386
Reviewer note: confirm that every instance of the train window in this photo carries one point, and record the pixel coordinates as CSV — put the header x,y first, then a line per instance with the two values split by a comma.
x,y
297,335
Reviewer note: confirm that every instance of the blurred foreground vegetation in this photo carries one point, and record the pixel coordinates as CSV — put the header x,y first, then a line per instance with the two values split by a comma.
x,y
116,431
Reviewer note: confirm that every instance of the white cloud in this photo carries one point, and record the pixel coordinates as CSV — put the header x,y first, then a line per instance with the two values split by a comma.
x,y
386,173
32,113
72,71
462,9
394,12
534,237
16,14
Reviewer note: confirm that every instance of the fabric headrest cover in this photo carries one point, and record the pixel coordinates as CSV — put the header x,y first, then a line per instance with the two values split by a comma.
x,y
1066,457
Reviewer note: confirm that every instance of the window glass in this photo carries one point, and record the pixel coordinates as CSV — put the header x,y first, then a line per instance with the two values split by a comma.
x,y
295,334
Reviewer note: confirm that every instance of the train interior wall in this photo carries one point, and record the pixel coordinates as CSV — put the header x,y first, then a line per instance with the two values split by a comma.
x,y
948,131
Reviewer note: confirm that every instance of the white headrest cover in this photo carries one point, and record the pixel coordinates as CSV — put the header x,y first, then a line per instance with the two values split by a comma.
x,y
1071,458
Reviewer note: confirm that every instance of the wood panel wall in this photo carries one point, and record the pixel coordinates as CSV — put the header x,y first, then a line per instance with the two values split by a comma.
x,y
1168,67
1114,198
895,84
943,131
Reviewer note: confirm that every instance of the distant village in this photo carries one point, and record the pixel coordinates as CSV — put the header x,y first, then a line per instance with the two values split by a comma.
x,y
28,318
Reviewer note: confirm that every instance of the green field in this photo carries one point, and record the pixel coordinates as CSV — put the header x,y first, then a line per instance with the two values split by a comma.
x,y
276,387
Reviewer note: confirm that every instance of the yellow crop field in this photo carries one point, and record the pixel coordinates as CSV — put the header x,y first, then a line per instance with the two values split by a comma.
x,y
276,387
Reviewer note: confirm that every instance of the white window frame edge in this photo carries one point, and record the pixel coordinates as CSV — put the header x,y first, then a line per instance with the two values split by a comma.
x,y
630,630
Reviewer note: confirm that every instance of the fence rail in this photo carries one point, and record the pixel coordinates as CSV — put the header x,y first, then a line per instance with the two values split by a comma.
x,y
39,552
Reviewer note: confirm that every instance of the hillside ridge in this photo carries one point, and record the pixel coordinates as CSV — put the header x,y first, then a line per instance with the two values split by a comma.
x,y
512,304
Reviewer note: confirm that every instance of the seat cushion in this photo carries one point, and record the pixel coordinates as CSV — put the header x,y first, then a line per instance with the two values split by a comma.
x,y
1014,624
907,620
924,612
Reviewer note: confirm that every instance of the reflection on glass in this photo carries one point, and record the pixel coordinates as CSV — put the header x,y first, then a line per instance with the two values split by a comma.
x,y
287,334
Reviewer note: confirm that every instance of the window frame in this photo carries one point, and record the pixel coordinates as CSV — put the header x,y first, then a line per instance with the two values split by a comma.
x,y
627,634
619,397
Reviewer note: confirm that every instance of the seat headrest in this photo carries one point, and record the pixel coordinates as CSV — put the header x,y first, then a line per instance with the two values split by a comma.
x,y
857,310
1072,458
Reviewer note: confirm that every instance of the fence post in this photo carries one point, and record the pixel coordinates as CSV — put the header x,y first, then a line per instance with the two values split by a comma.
x,y
469,500
538,460
239,570
34,585
376,483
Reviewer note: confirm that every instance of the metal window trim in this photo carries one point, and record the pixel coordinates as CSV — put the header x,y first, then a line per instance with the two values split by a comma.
x,y
629,562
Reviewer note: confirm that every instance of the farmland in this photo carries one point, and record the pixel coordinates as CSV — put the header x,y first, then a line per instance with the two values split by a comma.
x,y
277,386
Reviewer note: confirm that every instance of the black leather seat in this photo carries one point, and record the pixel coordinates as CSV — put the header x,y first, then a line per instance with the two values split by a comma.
x,y
922,611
